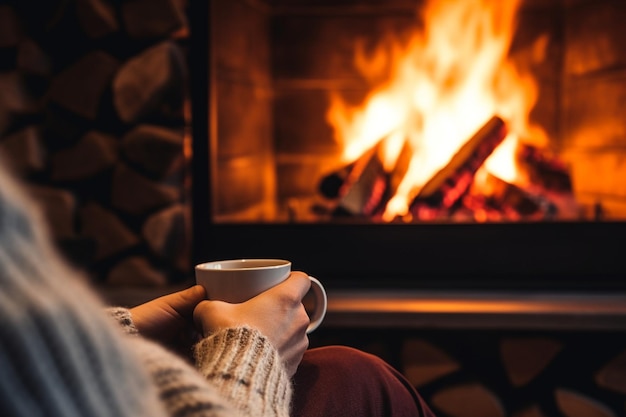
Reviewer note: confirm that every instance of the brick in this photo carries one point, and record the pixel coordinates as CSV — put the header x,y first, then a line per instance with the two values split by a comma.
x,y
594,173
243,129
242,183
242,48
594,37
591,112
326,47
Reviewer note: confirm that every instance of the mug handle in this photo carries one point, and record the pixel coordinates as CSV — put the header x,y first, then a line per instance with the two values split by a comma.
x,y
321,304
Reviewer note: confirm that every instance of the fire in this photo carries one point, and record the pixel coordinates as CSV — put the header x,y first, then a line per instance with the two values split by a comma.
x,y
439,88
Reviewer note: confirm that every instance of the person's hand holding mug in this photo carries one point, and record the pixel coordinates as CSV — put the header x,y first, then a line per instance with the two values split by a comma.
x,y
263,294
169,319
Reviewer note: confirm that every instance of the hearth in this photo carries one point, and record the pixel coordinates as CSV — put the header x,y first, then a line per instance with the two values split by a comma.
x,y
264,147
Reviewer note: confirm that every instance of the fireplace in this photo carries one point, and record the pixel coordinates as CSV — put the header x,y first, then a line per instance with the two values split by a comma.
x,y
262,79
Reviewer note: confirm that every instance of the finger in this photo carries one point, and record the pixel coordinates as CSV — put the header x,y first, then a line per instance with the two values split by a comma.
x,y
210,316
183,302
298,284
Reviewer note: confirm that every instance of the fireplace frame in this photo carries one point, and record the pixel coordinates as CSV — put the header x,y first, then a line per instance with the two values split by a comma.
x,y
549,255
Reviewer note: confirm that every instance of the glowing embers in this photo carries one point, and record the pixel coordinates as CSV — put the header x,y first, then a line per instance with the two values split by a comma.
x,y
463,189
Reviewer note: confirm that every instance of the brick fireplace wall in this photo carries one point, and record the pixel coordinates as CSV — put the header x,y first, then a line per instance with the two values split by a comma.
x,y
592,128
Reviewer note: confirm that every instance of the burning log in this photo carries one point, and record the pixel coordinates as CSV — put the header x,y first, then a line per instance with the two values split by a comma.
x,y
331,184
545,170
499,200
448,185
363,189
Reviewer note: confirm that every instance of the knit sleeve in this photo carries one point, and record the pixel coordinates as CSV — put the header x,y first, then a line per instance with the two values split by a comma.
x,y
182,391
247,369
123,317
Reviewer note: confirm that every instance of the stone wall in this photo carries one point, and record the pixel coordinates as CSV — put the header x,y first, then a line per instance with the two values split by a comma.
x,y
93,115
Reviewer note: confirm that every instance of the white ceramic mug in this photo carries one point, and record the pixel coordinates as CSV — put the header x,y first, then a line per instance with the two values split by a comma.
x,y
238,280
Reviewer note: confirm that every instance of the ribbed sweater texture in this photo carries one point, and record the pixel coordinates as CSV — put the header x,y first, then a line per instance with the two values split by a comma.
x,y
236,370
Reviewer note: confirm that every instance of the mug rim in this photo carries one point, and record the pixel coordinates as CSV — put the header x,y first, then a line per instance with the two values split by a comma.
x,y
267,263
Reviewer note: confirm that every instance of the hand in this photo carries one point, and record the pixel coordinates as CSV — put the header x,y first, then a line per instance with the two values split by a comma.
x,y
277,313
169,319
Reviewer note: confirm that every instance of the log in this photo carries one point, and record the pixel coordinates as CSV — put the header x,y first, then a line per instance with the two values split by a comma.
x,y
147,81
10,31
97,18
162,232
152,19
135,271
366,195
109,233
509,201
59,206
80,87
450,183
331,183
153,148
545,170
138,195
364,188
95,152
25,151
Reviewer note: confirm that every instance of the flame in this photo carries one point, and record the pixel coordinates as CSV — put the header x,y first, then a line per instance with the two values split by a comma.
x,y
439,88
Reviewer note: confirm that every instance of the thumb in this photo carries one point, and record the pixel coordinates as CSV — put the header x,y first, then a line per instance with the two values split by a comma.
x,y
186,300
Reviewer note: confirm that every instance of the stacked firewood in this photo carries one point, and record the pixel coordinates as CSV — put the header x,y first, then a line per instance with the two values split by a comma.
x,y
363,188
93,117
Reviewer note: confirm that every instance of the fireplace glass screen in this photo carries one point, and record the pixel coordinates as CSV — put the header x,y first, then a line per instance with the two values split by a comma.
x,y
404,111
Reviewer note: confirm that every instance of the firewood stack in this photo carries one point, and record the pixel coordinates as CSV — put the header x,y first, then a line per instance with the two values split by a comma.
x,y
93,117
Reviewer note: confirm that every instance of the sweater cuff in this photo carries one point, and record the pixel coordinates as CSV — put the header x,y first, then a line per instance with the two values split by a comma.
x,y
123,317
247,369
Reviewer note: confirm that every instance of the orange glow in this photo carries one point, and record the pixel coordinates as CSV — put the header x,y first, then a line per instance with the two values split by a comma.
x,y
440,87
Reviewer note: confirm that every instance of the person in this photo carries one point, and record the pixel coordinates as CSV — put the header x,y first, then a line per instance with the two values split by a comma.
x,y
64,352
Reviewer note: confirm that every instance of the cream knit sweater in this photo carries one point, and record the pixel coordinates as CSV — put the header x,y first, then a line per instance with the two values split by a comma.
x,y
238,368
